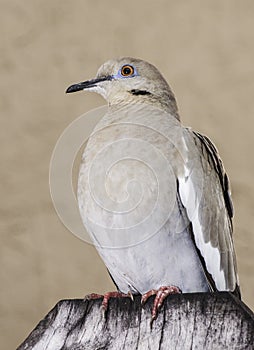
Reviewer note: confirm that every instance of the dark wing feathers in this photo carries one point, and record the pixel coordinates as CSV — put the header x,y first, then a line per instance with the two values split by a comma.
x,y
214,158
205,193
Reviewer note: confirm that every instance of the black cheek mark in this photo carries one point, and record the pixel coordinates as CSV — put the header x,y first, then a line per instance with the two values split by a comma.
x,y
140,92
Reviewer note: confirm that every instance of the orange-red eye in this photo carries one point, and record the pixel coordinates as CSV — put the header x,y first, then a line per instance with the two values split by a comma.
x,y
127,71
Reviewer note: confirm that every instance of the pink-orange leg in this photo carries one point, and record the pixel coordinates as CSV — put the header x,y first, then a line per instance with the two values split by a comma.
x,y
106,297
161,295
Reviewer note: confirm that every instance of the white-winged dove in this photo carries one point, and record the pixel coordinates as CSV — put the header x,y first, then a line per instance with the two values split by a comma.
x,y
153,194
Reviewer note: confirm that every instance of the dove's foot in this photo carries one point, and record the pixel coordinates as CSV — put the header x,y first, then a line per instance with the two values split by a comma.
x,y
106,297
161,295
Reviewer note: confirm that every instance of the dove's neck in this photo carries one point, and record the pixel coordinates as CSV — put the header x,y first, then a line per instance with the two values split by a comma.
x,y
167,104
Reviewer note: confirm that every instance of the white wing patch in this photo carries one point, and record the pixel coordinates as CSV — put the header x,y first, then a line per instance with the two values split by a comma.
x,y
190,196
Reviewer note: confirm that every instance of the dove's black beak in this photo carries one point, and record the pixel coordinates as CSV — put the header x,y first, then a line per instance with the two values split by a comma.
x,y
87,84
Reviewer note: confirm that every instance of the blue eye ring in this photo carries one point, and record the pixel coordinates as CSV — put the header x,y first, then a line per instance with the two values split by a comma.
x,y
126,71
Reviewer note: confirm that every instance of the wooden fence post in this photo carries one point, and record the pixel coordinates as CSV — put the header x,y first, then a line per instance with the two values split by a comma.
x,y
186,321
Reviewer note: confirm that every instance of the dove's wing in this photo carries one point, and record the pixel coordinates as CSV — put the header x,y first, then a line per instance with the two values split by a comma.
x,y
205,193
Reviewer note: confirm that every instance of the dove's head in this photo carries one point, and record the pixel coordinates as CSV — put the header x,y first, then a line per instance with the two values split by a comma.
x,y
130,80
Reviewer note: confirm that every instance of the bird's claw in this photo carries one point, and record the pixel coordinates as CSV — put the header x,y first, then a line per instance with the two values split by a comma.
x,y
161,295
106,297
93,296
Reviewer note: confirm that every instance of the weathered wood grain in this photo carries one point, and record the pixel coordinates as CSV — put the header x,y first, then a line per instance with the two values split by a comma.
x,y
187,321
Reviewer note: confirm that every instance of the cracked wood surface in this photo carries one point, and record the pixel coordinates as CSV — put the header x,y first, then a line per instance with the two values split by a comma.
x,y
186,321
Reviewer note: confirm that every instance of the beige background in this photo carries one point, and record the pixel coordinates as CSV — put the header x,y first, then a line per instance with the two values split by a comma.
x,y
205,49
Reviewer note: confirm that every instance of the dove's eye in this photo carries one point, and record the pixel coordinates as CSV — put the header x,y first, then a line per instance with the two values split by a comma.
x,y
127,71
